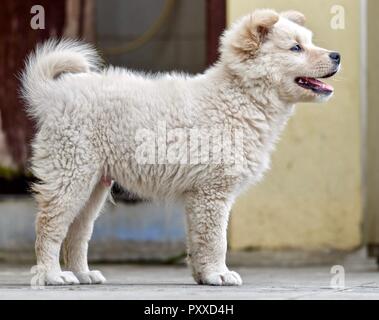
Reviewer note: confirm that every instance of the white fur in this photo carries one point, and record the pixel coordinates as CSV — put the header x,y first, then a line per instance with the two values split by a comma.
x,y
89,118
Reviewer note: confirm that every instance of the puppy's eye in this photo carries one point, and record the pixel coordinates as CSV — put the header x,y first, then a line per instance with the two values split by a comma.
x,y
297,48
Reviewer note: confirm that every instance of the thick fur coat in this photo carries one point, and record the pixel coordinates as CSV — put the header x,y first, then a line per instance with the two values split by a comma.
x,y
147,132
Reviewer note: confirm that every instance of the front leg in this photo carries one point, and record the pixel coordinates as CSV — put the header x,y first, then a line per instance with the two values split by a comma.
x,y
207,212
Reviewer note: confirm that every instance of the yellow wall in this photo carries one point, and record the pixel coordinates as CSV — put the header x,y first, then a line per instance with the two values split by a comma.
x,y
311,199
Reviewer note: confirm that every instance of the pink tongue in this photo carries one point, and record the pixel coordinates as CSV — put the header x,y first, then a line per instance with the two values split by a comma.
x,y
319,84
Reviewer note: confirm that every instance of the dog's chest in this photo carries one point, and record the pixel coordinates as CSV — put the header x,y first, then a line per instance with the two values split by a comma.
x,y
260,139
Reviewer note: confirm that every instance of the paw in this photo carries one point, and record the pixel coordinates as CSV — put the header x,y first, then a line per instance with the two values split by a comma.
x,y
90,277
59,278
226,278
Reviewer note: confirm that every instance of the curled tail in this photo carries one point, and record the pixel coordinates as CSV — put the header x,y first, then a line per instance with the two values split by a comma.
x,y
47,63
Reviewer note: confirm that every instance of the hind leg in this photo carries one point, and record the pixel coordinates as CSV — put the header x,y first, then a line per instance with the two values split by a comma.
x,y
75,247
59,203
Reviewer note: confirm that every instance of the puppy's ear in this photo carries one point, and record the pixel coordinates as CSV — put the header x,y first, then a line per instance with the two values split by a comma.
x,y
264,19
294,16
254,29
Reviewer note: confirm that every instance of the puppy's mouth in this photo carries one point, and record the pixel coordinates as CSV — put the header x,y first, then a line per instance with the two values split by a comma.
x,y
316,85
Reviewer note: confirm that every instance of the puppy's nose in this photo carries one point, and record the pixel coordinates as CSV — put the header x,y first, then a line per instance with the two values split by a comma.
x,y
336,57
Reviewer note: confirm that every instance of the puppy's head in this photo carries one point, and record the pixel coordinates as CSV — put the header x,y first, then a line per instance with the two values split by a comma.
x,y
279,49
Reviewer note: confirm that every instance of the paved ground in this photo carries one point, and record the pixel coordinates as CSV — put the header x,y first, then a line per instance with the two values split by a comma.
x,y
175,282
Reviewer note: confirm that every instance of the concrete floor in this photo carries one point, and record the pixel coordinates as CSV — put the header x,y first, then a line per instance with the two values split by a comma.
x,y
174,282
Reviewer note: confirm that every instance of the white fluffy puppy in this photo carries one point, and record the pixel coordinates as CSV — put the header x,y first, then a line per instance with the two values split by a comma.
x,y
97,125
